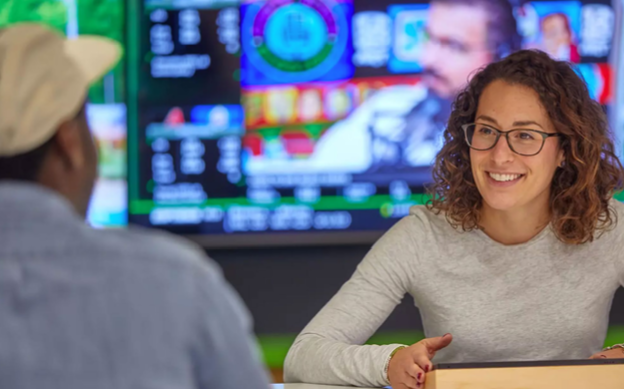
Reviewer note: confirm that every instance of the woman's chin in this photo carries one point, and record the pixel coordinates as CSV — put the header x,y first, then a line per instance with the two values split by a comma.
x,y
501,202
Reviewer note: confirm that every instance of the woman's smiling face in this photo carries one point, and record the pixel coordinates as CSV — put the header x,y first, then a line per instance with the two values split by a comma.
x,y
506,180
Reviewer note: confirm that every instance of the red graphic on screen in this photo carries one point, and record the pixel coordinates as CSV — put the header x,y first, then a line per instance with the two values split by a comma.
x,y
175,117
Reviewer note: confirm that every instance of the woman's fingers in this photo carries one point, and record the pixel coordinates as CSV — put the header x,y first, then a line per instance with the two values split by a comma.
x,y
408,366
615,353
417,373
409,381
423,362
435,344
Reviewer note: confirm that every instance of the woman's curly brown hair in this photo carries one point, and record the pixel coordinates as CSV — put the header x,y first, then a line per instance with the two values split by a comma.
x,y
581,188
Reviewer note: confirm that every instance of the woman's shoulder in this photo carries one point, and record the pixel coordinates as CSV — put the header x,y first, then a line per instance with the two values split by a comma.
x,y
421,235
612,234
613,245
426,231
422,217
617,207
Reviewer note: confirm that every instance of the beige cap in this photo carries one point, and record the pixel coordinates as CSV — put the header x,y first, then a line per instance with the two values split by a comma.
x,y
44,79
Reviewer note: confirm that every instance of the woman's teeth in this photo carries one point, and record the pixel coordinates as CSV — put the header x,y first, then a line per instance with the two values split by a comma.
x,y
504,177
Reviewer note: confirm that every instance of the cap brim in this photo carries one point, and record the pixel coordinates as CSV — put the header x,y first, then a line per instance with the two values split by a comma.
x,y
94,55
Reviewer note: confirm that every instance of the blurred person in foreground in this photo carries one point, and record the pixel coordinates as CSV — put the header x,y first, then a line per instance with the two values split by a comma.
x,y
517,256
400,127
82,308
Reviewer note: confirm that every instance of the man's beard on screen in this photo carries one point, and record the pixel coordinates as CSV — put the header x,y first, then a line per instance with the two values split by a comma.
x,y
429,75
425,122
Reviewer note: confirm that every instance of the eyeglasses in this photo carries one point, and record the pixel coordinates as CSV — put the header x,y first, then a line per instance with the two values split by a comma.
x,y
523,142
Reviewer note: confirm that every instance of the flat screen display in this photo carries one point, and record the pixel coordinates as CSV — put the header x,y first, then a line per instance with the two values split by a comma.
x,y
265,121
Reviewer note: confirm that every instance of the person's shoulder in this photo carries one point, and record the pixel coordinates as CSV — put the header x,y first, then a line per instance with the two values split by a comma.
x,y
617,207
428,219
173,270
421,226
155,248
612,234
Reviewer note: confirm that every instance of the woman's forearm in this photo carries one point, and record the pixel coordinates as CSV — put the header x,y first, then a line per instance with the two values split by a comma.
x,y
318,360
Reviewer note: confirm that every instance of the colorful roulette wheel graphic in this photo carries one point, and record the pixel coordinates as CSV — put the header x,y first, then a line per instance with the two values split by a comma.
x,y
294,40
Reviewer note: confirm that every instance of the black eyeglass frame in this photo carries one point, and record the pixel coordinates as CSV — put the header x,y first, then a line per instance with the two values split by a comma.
x,y
545,135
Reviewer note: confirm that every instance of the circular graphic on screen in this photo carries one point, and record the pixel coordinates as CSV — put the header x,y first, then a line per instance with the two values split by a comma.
x,y
295,40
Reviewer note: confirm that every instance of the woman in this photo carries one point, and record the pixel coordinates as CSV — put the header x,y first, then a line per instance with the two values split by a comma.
x,y
518,255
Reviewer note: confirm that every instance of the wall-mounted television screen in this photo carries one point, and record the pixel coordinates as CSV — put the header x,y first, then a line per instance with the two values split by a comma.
x,y
290,121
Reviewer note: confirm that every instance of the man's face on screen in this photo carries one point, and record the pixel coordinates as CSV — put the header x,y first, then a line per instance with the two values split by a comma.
x,y
456,47
556,34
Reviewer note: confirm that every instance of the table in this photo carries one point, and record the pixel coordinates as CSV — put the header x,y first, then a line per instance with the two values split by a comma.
x,y
568,374
309,386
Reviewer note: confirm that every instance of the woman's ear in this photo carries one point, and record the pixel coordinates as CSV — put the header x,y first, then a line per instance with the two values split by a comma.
x,y
561,158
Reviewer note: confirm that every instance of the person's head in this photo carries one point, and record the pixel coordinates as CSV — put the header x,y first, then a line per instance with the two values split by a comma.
x,y
66,163
44,135
556,32
465,35
568,170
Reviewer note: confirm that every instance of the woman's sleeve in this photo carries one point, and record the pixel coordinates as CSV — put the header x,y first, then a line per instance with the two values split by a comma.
x,y
329,350
618,243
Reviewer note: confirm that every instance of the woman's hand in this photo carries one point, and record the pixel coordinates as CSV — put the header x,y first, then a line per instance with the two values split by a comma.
x,y
408,366
615,353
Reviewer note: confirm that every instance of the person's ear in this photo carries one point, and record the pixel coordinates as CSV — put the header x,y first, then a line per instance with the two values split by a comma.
x,y
69,144
561,158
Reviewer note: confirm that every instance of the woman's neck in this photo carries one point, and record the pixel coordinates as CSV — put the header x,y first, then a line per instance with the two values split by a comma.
x,y
514,226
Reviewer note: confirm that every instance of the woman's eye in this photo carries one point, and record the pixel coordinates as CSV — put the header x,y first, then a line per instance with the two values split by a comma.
x,y
526,136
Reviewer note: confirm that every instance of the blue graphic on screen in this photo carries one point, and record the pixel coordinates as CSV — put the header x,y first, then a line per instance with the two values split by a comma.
x,y
409,37
230,116
296,33
289,41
